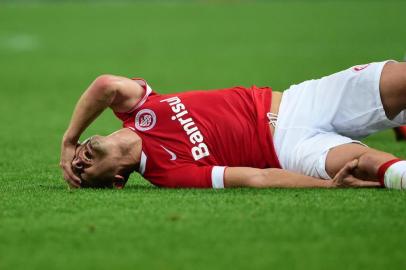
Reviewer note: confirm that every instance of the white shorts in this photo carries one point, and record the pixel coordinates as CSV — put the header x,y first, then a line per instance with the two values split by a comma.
x,y
317,115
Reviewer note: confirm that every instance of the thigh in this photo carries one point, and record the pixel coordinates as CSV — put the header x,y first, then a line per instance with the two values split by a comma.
x,y
347,103
361,110
305,151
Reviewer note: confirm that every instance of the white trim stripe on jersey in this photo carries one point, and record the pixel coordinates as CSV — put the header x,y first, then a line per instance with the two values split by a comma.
x,y
148,91
217,176
143,163
144,98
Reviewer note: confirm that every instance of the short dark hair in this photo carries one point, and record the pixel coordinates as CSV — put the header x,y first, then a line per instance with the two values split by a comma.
x,y
97,183
107,182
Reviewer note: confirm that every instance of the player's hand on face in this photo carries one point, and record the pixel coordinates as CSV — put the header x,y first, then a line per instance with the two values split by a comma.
x,y
68,151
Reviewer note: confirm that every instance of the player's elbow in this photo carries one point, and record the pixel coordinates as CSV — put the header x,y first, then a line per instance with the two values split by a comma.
x,y
104,86
105,81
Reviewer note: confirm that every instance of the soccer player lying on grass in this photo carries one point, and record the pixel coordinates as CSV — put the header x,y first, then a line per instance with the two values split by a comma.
x,y
242,137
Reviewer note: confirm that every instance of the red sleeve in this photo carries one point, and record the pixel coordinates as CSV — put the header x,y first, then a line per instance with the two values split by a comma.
x,y
191,176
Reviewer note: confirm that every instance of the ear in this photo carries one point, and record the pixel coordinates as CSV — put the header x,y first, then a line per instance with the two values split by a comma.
x,y
118,181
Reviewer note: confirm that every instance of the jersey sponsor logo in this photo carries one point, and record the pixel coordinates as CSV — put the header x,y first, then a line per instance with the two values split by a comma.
x,y
360,67
173,155
145,120
200,149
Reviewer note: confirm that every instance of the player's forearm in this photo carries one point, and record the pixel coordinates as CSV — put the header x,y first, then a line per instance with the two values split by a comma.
x,y
286,179
270,178
91,104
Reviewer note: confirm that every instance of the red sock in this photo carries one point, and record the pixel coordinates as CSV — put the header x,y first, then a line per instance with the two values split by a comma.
x,y
382,170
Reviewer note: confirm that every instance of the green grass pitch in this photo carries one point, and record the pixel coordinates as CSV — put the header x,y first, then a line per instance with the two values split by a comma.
x,y
50,52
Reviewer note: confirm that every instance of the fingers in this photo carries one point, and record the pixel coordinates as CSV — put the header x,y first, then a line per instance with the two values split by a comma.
x,y
72,175
344,177
359,183
368,184
346,171
67,155
72,179
350,166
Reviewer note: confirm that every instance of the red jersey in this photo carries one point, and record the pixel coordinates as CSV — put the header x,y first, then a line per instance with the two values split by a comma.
x,y
189,138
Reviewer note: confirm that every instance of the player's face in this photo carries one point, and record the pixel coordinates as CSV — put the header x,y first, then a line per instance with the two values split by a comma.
x,y
94,160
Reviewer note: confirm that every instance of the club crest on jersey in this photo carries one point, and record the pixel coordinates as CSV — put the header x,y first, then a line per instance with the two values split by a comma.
x,y
145,120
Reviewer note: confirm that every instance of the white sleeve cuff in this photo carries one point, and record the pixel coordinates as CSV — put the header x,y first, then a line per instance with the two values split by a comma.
x,y
217,176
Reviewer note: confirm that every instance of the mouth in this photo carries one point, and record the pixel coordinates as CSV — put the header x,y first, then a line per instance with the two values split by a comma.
x,y
87,155
83,157
89,146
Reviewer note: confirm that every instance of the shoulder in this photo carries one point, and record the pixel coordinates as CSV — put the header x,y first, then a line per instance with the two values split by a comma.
x,y
128,92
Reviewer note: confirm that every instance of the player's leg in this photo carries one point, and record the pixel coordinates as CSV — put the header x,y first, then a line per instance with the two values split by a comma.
x,y
373,165
348,103
393,92
369,160
393,88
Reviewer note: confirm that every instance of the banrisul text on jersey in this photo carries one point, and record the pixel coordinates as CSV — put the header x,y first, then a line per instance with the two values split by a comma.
x,y
200,150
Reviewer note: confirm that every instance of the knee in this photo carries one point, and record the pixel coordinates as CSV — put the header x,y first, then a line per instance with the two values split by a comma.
x,y
394,75
402,74
393,88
